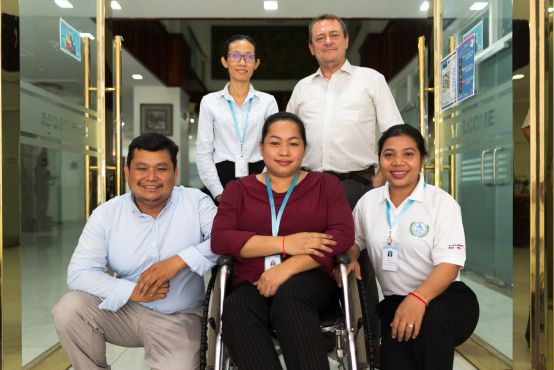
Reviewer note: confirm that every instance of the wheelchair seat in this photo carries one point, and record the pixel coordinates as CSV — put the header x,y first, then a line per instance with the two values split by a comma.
x,y
345,325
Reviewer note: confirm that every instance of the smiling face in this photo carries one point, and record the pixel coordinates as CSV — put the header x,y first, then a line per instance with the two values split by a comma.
x,y
151,178
328,43
282,148
242,69
401,162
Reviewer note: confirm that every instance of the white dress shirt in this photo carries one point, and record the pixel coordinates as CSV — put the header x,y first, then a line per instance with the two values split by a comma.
x,y
217,138
119,236
429,233
340,116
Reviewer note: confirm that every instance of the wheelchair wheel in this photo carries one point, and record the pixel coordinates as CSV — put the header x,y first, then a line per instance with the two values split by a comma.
x,y
211,319
209,325
359,314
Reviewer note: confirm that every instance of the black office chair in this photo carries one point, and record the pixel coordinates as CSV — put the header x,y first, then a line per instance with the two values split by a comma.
x,y
346,327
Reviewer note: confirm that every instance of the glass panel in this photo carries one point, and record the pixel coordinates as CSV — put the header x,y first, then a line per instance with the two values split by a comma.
x,y
57,132
476,143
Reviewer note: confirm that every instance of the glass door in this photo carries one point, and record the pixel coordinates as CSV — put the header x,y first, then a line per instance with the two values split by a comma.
x,y
473,122
59,144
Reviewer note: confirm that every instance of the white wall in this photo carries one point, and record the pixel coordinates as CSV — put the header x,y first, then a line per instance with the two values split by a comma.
x,y
179,100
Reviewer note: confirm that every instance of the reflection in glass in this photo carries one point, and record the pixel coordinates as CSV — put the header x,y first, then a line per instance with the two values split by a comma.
x,y
477,139
52,219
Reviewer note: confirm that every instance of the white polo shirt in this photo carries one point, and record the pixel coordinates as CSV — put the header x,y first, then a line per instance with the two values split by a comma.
x,y
430,232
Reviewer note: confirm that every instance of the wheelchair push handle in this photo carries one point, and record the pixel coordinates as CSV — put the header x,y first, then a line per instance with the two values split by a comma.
x,y
342,259
225,260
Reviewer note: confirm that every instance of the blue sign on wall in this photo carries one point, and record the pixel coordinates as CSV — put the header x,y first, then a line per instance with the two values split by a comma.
x,y
465,56
70,40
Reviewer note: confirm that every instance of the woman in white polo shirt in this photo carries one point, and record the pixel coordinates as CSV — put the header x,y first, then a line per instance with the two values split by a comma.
x,y
415,238
230,120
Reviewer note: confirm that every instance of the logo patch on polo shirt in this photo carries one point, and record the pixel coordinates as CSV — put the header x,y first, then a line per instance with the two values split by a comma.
x,y
455,246
418,228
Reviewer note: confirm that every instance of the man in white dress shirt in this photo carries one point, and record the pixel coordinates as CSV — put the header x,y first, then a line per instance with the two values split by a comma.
x,y
340,104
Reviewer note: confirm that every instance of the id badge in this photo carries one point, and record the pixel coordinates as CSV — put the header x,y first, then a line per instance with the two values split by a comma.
x,y
390,258
271,261
241,166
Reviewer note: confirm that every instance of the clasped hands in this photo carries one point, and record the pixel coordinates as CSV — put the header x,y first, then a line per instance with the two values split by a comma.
x,y
153,283
305,243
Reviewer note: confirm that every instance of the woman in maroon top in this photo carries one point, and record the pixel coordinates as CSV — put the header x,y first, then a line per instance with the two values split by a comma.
x,y
283,266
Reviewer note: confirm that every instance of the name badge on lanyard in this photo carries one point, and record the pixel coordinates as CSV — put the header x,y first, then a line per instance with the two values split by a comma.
x,y
241,160
274,260
390,250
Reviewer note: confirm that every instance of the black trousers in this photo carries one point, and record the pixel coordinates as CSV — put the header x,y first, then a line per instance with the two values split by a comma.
x,y
226,170
294,314
448,321
354,191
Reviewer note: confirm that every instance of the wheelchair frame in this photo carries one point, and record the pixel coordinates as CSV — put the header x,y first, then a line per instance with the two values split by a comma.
x,y
353,343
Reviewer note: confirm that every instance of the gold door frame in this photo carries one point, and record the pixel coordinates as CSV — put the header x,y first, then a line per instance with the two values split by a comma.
x,y
540,288
542,328
10,263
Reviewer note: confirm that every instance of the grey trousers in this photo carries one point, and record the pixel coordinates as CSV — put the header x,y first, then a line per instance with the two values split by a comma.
x,y
170,341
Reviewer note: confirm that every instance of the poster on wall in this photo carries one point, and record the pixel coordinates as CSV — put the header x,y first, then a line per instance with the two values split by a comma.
x,y
476,30
448,80
465,56
70,40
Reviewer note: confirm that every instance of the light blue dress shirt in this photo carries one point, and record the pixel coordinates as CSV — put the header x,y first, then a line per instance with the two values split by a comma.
x,y
119,236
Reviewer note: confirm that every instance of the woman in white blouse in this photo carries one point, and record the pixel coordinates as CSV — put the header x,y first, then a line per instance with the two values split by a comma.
x,y
231,120
415,238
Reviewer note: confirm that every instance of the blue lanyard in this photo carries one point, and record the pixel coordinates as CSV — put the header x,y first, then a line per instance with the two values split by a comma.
x,y
276,219
245,122
397,218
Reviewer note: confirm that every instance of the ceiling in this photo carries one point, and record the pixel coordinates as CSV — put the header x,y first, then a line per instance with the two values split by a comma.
x,y
225,9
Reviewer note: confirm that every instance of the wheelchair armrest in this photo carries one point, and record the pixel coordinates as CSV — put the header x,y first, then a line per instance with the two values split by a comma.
x,y
225,260
342,259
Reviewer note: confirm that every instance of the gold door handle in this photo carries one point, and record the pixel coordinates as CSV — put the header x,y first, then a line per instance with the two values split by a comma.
x,y
117,91
86,98
452,156
422,89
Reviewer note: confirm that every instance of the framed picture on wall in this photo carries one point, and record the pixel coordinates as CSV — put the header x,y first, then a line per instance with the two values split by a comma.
x,y
156,118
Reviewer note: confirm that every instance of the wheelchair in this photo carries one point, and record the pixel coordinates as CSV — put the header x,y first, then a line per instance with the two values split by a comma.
x,y
348,328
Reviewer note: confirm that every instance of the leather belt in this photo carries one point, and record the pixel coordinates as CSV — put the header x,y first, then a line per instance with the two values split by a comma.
x,y
363,176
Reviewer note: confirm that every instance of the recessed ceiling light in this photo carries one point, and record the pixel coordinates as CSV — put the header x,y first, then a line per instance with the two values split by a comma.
x,y
63,4
115,5
271,5
137,76
424,6
478,5
86,34
192,120
518,76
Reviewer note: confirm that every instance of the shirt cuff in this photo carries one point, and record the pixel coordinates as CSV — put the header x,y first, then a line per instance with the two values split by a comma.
x,y
196,261
216,190
119,295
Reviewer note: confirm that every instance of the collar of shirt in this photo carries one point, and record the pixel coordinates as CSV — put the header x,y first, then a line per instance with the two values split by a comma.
x,y
227,95
346,67
130,198
418,194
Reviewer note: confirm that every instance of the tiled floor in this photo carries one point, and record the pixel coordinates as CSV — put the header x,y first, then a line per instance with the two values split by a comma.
x,y
131,359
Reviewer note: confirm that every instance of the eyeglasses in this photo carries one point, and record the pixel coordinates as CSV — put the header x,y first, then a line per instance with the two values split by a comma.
x,y
236,57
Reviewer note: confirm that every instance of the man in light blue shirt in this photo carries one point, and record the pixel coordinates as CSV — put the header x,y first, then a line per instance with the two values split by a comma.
x,y
156,241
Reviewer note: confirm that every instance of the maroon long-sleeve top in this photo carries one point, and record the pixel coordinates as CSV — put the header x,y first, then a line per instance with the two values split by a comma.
x,y
317,204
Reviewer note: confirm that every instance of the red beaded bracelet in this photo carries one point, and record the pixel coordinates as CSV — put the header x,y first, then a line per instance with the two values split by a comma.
x,y
420,298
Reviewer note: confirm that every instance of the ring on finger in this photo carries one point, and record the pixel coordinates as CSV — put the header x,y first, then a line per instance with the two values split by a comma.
x,y
411,326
